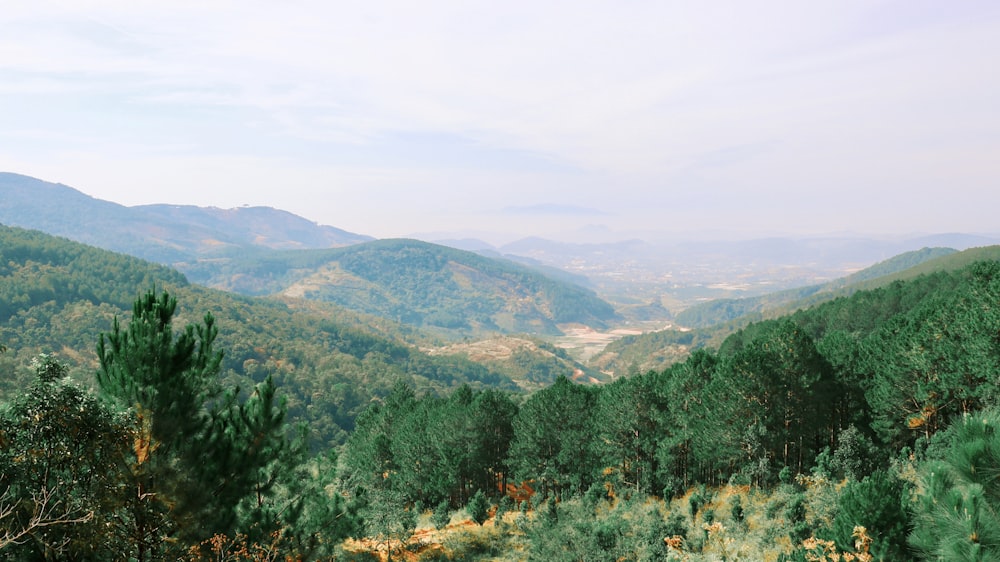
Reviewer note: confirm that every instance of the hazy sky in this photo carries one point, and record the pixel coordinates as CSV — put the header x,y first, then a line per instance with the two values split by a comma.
x,y
393,118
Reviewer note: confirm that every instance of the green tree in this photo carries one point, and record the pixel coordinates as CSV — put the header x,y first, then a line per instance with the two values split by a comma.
x,y
937,360
956,515
493,415
316,516
628,430
199,451
387,519
689,436
478,507
442,515
552,438
879,504
777,380
61,470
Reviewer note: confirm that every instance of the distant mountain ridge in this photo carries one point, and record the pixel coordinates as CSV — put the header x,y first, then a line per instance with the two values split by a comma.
x,y
160,233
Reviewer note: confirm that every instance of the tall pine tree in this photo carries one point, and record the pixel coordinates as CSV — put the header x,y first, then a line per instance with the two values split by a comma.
x,y
198,452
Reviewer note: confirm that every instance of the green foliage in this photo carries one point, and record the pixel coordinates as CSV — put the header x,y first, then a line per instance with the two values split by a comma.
x,y
200,454
956,511
699,497
478,507
387,518
856,456
627,427
330,363
432,450
552,439
310,512
857,302
60,468
442,515
936,360
631,531
504,506
720,311
795,516
652,351
421,284
879,504
736,509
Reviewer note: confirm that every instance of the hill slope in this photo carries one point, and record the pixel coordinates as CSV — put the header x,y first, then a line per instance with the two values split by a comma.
x,y
57,296
417,283
657,350
720,311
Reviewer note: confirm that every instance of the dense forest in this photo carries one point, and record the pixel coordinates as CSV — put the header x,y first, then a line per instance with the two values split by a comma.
x,y
56,296
863,426
416,283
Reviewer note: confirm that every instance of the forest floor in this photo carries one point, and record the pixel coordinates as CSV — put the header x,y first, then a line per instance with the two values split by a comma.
x,y
425,538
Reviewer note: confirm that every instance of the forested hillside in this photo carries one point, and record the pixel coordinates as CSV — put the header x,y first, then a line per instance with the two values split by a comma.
x,y
721,311
709,324
836,418
56,296
417,283
859,426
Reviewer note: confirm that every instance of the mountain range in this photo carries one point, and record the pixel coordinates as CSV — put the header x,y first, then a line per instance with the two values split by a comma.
x,y
260,251
459,286
162,233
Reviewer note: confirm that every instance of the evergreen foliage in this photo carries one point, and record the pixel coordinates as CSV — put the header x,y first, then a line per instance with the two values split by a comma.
x,y
420,284
680,461
478,507
442,515
199,451
957,510
878,503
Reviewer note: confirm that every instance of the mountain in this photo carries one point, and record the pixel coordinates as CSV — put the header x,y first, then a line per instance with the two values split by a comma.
x,y
161,233
57,296
259,251
416,283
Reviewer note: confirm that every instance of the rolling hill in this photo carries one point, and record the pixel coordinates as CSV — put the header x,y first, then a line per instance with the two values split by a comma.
x,y
260,251
57,296
416,283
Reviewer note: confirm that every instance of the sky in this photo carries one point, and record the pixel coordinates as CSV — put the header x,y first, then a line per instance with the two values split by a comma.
x,y
506,119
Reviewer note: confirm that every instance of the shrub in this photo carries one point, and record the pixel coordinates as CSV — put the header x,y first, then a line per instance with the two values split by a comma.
x,y
478,507
878,504
442,515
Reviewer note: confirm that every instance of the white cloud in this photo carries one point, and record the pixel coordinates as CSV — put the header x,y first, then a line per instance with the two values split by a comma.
x,y
774,100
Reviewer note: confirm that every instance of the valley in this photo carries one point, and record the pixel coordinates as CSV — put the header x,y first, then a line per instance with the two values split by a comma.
x,y
660,400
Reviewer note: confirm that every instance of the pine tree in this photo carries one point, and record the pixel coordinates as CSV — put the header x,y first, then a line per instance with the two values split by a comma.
x,y
877,503
957,509
198,451
478,507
